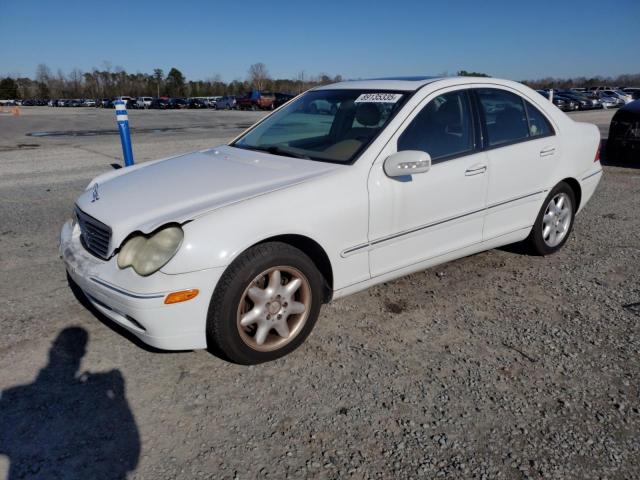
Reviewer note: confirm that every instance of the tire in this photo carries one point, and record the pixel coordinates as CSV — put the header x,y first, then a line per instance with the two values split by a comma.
x,y
553,224
233,302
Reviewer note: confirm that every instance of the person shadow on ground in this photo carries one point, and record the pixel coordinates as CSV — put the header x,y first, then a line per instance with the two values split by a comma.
x,y
69,426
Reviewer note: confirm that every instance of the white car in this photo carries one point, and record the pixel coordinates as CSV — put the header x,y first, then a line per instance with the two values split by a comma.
x,y
624,96
237,247
144,102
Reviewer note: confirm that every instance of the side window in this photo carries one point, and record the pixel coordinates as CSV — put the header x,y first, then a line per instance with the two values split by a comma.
x,y
504,116
443,128
539,126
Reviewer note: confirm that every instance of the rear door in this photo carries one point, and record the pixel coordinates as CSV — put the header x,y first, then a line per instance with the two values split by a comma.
x,y
522,150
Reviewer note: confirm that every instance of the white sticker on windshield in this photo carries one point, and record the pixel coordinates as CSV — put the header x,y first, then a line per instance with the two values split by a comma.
x,y
378,98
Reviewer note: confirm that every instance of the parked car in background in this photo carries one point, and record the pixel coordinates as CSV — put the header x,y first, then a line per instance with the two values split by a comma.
x,y
144,102
256,100
583,102
623,144
228,102
211,101
159,103
633,91
281,99
129,102
624,96
609,101
196,103
177,103
563,103
89,102
230,248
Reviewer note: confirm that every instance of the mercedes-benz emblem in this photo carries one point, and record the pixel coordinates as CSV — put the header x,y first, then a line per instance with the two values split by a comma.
x,y
96,195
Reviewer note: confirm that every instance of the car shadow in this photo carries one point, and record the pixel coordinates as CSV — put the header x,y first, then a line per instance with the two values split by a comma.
x,y
520,248
68,424
106,321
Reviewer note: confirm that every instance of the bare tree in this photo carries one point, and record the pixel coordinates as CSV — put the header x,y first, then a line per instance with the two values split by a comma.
x,y
43,74
258,75
75,81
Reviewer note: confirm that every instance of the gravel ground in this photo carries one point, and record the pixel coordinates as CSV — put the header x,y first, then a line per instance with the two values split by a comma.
x,y
498,365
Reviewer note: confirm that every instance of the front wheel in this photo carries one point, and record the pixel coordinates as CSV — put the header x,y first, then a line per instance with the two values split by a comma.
x,y
554,222
265,305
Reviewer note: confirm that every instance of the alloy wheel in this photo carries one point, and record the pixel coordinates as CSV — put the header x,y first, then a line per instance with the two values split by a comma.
x,y
557,219
274,308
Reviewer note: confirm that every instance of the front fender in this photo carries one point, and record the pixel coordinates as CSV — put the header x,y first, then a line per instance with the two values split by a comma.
x,y
217,238
332,210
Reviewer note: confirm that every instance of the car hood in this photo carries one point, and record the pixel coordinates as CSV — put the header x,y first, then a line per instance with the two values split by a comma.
x,y
177,189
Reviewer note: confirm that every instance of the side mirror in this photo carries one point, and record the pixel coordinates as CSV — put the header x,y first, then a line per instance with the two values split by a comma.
x,y
407,162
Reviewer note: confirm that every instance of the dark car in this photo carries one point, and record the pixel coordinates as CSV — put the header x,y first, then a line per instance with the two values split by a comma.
x,y
281,99
177,103
584,103
196,103
159,103
623,144
563,103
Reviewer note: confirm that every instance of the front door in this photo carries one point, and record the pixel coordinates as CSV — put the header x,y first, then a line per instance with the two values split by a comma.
x,y
425,215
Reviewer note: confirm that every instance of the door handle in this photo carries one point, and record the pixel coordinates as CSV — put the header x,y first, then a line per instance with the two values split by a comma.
x,y
477,169
547,151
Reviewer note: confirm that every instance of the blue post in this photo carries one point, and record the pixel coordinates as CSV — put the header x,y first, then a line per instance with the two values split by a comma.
x,y
123,125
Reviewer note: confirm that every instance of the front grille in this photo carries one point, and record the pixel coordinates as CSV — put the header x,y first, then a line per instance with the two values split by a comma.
x,y
94,234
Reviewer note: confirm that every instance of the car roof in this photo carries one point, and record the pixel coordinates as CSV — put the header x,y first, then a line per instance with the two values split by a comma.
x,y
409,84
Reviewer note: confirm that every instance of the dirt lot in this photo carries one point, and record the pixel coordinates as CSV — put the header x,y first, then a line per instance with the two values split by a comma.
x,y
499,365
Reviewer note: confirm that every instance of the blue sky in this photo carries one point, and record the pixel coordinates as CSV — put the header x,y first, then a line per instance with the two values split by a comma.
x,y
357,39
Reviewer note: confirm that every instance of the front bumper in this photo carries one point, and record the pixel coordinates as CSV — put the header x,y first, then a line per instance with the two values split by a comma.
x,y
137,303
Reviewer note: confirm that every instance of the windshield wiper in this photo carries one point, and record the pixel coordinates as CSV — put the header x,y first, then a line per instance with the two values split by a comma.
x,y
276,150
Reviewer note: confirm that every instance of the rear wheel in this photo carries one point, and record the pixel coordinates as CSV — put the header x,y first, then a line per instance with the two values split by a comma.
x,y
265,304
554,222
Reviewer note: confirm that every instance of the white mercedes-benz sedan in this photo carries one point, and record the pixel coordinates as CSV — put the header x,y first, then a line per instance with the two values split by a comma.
x,y
346,186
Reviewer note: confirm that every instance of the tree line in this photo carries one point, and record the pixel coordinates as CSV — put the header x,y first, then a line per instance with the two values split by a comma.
x,y
625,80
112,82
109,83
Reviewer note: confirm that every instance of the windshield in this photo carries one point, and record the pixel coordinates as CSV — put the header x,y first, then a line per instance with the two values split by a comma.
x,y
325,125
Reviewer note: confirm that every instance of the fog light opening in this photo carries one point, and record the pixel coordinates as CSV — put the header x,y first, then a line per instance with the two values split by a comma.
x,y
181,296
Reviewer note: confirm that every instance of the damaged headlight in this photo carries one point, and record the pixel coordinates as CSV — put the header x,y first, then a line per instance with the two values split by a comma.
x,y
148,254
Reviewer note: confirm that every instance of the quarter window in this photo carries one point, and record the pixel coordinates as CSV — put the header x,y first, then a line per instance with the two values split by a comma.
x,y
539,126
443,128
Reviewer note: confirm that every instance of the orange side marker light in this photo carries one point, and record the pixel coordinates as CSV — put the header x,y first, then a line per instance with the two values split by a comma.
x,y
182,296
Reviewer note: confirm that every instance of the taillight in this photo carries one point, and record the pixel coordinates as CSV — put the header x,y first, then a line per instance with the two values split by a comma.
x,y
597,157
